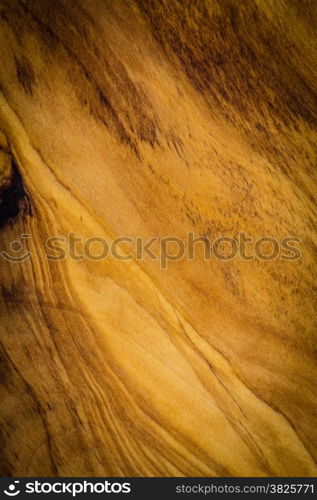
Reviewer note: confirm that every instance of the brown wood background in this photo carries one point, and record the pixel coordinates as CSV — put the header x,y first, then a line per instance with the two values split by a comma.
x,y
145,118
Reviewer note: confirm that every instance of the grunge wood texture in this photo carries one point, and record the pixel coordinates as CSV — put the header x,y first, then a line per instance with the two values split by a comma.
x,y
156,118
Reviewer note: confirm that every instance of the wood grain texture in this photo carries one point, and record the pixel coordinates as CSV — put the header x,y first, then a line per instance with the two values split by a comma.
x,y
145,118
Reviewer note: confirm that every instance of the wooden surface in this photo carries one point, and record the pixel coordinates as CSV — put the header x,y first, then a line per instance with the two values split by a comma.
x,y
145,118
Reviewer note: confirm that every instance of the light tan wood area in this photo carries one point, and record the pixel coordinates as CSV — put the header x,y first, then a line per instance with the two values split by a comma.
x,y
147,118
